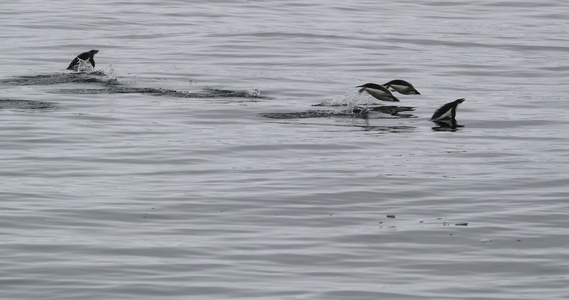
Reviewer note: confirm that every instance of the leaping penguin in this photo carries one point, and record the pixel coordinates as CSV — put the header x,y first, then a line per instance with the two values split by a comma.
x,y
379,92
447,112
402,87
87,57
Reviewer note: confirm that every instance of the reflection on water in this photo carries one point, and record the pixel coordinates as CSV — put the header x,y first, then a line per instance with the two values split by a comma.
x,y
362,113
393,110
447,125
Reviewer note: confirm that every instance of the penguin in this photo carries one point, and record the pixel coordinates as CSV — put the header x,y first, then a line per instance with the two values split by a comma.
x,y
447,111
87,57
402,87
379,92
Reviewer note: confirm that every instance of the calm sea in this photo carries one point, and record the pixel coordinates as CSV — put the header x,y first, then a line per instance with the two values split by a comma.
x,y
221,150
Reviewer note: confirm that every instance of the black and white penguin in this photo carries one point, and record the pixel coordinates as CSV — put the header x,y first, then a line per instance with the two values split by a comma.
x,y
87,57
379,92
402,87
447,112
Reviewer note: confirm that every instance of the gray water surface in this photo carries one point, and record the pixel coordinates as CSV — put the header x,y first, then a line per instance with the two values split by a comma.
x,y
217,151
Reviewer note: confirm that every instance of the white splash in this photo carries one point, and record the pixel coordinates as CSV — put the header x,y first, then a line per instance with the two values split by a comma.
x,y
84,66
254,93
110,74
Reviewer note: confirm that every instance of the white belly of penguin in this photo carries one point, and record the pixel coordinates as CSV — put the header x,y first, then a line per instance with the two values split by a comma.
x,y
399,87
446,115
84,65
379,94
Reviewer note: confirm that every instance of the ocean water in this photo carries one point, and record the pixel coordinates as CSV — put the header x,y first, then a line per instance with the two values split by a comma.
x,y
220,150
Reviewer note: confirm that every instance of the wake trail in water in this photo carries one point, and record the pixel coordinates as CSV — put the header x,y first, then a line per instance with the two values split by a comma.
x,y
206,93
15,104
60,78
349,105
110,85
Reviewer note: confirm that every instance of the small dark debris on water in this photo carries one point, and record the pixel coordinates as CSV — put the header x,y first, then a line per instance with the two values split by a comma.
x,y
391,216
461,224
